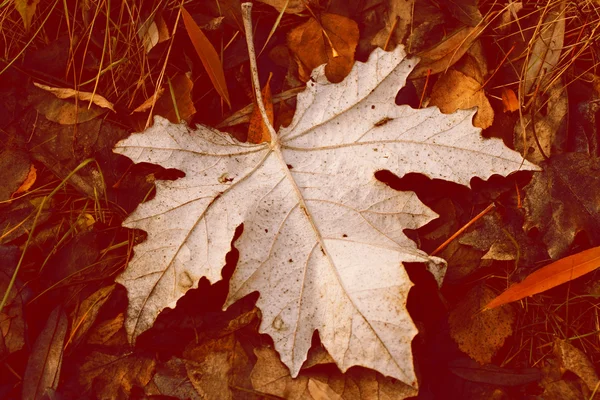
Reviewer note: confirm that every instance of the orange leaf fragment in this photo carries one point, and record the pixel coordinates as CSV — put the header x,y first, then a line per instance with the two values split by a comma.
x,y
258,131
509,100
28,182
561,271
208,55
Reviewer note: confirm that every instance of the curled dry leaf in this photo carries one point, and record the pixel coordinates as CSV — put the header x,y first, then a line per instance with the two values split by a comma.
x,y
480,334
66,93
332,41
323,239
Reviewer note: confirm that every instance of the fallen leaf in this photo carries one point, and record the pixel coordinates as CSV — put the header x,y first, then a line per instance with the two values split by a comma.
x,y
551,125
177,104
85,315
332,41
287,6
106,330
270,376
554,274
44,365
26,9
28,182
322,239
446,53
466,11
547,46
15,168
479,334
66,112
510,102
66,93
213,367
562,201
147,104
455,90
171,380
107,376
12,322
258,131
398,19
471,370
153,31
574,360
208,55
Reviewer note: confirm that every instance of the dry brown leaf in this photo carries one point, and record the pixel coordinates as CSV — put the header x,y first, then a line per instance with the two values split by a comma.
x,y
106,376
446,53
563,200
454,90
153,31
258,131
288,6
480,334
270,376
510,102
12,323
546,49
575,360
44,365
208,55
85,315
551,121
179,87
26,9
147,104
66,112
216,365
105,332
332,41
397,24
66,93
561,271
15,168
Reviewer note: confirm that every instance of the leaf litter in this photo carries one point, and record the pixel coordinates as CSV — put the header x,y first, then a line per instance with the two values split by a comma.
x,y
315,218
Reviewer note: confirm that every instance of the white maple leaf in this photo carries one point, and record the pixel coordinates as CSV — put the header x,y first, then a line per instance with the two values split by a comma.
x,y
323,239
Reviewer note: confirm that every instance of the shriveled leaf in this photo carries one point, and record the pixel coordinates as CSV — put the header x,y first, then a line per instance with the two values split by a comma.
x,y
547,46
208,55
66,93
563,200
479,334
44,365
258,131
270,376
332,41
552,275
322,239
446,53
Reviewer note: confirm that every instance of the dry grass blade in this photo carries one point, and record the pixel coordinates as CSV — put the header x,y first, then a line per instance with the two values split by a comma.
x,y
208,55
564,270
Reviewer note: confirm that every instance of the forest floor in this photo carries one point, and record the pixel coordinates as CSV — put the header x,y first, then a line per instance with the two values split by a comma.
x,y
530,67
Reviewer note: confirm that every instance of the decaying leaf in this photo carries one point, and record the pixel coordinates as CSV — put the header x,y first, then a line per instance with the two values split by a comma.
x,y
323,239
552,275
153,31
398,20
576,361
332,41
15,167
547,46
563,201
85,315
12,322
270,376
44,365
109,376
480,334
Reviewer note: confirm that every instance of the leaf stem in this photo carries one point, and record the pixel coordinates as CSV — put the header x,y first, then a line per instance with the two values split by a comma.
x,y
247,16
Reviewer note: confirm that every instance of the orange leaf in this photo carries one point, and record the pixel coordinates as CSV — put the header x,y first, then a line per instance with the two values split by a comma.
x,y
552,275
28,182
208,55
258,131
509,100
